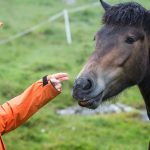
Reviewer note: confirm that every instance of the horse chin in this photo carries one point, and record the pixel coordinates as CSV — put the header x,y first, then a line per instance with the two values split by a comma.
x,y
92,103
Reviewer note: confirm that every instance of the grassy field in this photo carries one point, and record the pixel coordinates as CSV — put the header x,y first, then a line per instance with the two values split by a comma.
x,y
45,51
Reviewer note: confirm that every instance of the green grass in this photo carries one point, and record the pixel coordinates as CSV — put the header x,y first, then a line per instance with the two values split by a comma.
x,y
45,51
108,132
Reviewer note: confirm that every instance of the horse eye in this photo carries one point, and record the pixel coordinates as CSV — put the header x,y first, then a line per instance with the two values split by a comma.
x,y
130,40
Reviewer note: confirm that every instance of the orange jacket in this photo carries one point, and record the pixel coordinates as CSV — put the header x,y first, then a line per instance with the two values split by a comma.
x,y
18,110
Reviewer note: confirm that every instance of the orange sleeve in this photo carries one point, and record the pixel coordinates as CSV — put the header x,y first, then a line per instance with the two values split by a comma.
x,y
18,110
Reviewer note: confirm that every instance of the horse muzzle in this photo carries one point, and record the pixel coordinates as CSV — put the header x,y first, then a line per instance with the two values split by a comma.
x,y
84,93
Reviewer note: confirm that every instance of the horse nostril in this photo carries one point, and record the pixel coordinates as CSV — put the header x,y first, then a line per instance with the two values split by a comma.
x,y
87,85
83,85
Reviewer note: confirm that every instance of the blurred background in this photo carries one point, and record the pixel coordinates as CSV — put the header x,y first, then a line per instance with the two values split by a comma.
x,y
43,49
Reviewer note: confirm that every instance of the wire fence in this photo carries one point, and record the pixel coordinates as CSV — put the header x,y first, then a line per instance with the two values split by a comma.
x,y
65,13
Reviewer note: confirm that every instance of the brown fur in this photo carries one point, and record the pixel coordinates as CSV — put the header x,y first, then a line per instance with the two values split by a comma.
x,y
121,58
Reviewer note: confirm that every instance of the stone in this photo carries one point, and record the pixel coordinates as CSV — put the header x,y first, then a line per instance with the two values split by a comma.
x,y
103,109
106,108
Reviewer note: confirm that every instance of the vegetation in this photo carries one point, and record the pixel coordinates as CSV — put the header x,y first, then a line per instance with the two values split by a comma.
x,y
45,51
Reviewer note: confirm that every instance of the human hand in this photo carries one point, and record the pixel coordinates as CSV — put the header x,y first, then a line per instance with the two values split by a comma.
x,y
57,79
1,24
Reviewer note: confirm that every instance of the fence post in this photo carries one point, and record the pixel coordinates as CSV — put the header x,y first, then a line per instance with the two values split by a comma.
x,y
67,27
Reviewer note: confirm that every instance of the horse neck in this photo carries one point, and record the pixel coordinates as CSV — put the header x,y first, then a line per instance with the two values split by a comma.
x,y
144,87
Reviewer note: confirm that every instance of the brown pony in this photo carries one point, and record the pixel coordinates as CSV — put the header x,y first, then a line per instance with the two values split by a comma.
x,y
121,58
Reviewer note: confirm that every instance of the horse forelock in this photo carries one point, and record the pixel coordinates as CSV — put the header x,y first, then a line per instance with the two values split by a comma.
x,y
131,14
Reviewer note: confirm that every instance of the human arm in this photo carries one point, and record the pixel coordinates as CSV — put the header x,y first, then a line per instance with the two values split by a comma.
x,y
18,110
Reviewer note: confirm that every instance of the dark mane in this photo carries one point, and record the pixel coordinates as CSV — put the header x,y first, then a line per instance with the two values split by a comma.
x,y
131,14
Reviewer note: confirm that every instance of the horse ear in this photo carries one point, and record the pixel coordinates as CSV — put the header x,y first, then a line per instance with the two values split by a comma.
x,y
105,5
